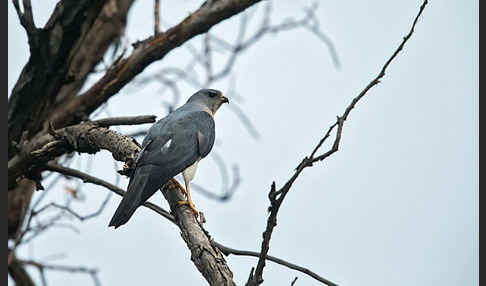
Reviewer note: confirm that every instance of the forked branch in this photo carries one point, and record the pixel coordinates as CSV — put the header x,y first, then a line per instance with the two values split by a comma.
x,y
276,197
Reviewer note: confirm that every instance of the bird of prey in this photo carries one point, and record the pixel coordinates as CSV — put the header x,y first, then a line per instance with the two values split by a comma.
x,y
174,144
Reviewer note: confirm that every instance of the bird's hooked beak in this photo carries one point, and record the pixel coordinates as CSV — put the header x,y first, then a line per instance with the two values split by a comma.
x,y
224,99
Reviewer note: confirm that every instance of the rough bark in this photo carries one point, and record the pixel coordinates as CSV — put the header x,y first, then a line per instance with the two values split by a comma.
x,y
86,137
17,205
80,50
108,28
145,53
52,50
18,274
207,258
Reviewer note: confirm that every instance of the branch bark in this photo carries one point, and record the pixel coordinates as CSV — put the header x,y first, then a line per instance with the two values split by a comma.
x,y
88,137
106,31
208,259
52,49
145,53
228,251
63,53
19,274
93,180
224,249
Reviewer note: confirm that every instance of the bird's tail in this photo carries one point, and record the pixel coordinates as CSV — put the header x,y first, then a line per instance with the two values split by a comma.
x,y
130,202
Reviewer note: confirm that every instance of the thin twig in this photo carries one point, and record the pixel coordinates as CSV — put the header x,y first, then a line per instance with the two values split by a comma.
x,y
93,272
125,120
228,251
277,197
93,180
157,17
78,216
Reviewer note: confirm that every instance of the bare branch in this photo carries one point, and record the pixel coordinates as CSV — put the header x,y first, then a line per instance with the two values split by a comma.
x,y
277,197
93,272
228,251
208,259
26,18
156,17
18,273
46,71
126,120
93,180
87,137
78,216
147,52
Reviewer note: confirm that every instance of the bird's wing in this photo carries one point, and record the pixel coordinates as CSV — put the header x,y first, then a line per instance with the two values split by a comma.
x,y
170,147
205,134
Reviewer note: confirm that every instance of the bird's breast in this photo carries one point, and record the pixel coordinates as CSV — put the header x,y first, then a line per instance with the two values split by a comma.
x,y
190,172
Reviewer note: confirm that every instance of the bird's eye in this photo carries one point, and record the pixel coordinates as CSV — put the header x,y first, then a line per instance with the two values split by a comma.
x,y
212,94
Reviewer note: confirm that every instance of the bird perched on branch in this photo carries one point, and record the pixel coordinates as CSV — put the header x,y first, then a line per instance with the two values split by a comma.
x,y
174,144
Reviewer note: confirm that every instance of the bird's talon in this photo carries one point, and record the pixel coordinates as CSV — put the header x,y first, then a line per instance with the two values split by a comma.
x,y
180,187
190,205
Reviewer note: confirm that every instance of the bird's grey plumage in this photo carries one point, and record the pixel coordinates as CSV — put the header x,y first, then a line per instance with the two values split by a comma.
x,y
172,144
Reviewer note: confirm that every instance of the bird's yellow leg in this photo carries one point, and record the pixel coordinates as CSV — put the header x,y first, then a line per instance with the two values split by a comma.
x,y
180,187
189,201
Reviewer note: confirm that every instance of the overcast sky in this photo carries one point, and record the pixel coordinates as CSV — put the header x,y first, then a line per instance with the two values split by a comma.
x,y
397,205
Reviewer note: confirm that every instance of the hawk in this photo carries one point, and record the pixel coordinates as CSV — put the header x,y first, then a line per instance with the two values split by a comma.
x,y
174,144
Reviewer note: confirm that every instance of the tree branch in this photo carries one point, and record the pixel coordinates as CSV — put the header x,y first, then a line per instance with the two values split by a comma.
x,y
106,31
188,219
277,197
156,17
228,251
87,137
97,181
147,52
208,259
93,272
125,120
90,48
18,273
52,49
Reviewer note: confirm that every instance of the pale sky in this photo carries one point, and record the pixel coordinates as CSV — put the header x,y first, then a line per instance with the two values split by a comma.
x,y
397,205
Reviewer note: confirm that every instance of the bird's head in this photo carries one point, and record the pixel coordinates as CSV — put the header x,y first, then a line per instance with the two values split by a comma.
x,y
210,98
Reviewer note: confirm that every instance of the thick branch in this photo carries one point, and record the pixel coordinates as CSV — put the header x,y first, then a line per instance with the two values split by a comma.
x,y
18,273
106,31
52,49
224,249
208,259
147,52
87,52
86,137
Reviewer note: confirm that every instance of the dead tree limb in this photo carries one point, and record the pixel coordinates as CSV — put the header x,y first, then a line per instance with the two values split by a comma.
x,y
145,53
277,197
88,137
51,50
208,259
59,72
198,239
